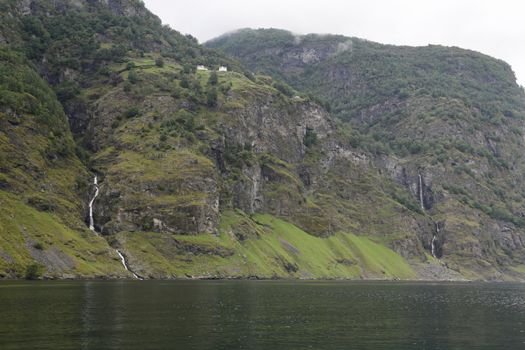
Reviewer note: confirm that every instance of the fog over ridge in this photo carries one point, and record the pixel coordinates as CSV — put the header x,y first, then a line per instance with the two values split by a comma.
x,y
495,28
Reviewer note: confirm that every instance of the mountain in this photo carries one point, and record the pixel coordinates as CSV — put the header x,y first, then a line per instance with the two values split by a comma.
x,y
219,173
445,123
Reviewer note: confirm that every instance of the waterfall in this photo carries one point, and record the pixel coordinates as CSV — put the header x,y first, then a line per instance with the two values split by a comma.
x,y
125,264
92,227
422,204
433,243
421,201
91,221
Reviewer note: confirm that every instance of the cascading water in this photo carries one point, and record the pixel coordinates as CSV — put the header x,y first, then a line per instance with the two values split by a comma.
x,y
125,264
91,220
421,200
433,243
92,227
422,204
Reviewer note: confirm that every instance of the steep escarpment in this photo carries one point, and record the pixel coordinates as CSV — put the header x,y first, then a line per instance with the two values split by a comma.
x,y
217,173
178,170
445,123
41,181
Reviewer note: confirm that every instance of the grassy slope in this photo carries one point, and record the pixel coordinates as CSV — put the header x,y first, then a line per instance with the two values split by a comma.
x,y
261,246
41,210
28,236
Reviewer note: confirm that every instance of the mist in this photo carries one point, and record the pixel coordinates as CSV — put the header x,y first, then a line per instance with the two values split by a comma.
x,y
495,28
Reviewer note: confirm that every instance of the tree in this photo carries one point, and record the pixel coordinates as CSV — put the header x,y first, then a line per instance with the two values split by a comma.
x,y
310,138
184,82
187,69
214,78
159,62
211,99
133,77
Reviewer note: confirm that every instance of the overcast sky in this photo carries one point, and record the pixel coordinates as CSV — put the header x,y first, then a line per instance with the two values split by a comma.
x,y
494,27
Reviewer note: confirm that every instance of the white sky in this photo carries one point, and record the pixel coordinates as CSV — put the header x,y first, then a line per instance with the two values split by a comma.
x,y
494,27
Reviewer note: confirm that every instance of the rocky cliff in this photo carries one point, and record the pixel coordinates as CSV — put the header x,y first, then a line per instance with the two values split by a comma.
x,y
229,174
445,123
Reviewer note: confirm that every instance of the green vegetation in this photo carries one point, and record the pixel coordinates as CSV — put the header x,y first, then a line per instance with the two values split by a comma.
x,y
33,272
266,247
461,136
387,71
211,98
214,78
405,92
159,62
57,250
235,174
310,138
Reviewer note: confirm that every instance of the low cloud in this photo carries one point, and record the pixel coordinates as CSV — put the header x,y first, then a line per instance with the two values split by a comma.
x,y
492,27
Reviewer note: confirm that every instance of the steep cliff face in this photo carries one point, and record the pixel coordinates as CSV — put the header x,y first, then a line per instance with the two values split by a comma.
x,y
445,123
41,181
226,174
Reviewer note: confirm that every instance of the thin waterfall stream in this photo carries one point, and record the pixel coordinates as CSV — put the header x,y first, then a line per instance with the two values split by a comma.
x,y
91,220
433,245
125,264
92,226
422,204
421,199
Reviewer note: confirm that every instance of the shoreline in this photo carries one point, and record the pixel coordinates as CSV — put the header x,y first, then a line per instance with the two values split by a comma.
x,y
241,279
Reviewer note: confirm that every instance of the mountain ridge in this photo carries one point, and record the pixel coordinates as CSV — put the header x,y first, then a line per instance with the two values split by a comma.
x,y
208,174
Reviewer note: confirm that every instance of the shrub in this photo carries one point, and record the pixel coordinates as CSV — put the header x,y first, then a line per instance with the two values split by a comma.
x,y
131,112
133,78
187,69
184,83
42,203
196,86
249,75
159,62
115,79
105,71
33,272
225,88
214,78
211,98
67,90
127,86
284,89
310,138
415,148
407,202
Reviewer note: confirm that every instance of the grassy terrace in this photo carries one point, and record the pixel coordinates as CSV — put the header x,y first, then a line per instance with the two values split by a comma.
x,y
262,246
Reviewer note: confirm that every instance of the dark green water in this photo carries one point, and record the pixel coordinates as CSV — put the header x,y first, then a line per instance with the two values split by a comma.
x,y
261,315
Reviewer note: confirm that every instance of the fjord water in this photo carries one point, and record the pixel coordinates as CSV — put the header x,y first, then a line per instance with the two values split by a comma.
x,y
260,315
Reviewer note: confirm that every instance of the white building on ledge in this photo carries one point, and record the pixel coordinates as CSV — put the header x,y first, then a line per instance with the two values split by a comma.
x,y
223,69
201,67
